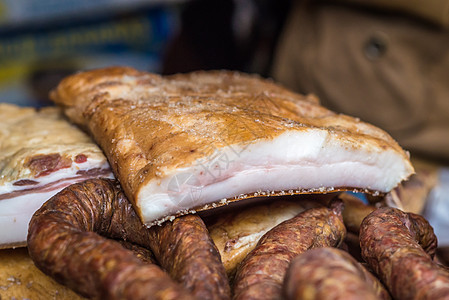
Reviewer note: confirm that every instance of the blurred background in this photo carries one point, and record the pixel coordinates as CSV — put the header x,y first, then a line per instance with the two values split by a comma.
x,y
386,62
43,41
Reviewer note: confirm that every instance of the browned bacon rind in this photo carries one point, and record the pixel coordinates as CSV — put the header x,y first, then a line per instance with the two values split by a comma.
x,y
399,248
261,274
330,273
65,241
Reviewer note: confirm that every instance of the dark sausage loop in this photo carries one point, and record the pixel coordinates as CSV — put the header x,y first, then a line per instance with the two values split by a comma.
x,y
70,239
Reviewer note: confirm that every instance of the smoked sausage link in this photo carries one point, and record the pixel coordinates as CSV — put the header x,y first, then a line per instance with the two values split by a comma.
x,y
330,273
399,246
185,249
67,240
261,273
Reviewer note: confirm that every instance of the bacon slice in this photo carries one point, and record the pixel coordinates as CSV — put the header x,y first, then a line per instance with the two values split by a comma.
x,y
189,142
40,154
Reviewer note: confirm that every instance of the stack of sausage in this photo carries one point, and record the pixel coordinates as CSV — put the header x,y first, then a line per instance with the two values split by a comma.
x,y
75,238
156,131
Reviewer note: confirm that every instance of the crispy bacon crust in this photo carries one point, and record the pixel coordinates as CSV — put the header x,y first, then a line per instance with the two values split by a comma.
x,y
158,130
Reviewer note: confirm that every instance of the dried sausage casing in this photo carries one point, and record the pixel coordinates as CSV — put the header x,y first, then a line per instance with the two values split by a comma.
x,y
330,273
185,249
394,244
65,242
261,274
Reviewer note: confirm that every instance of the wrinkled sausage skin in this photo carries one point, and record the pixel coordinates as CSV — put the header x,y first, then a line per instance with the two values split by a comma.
x,y
354,211
394,244
330,273
66,240
185,249
261,274
423,233
142,253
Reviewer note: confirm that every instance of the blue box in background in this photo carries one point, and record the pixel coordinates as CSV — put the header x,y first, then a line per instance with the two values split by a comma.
x,y
44,41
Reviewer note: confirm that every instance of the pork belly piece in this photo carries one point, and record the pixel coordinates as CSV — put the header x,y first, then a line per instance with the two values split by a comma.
x,y
40,154
187,142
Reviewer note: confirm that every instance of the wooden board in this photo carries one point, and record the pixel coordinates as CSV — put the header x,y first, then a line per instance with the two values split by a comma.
x,y
20,279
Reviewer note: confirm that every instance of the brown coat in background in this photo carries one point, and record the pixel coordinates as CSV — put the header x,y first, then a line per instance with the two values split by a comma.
x,y
386,62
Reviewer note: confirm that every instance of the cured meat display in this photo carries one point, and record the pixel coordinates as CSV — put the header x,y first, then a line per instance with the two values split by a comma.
x,y
181,148
71,240
40,154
